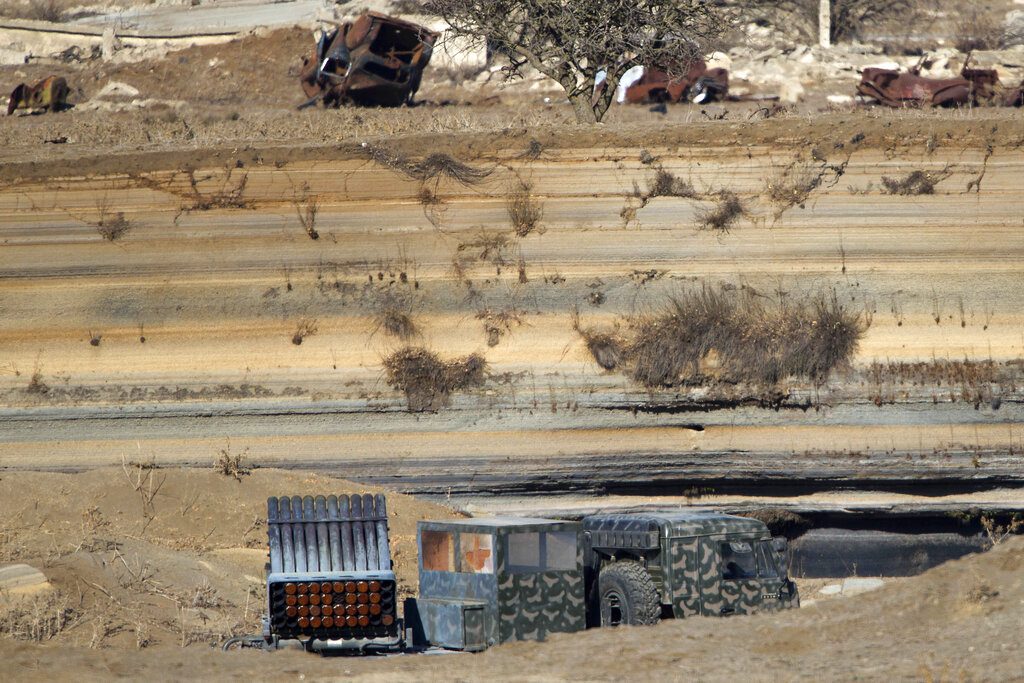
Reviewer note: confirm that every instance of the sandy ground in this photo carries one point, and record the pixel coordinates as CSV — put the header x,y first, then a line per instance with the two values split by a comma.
x,y
956,622
161,557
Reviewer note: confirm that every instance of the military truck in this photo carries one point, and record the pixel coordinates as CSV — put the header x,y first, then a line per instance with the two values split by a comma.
x,y
330,583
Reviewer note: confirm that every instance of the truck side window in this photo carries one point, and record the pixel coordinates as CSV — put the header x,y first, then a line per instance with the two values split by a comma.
x,y
438,551
765,560
738,561
524,552
561,550
476,553
542,551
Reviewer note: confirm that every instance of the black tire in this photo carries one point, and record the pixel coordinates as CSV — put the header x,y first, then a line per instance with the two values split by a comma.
x,y
627,595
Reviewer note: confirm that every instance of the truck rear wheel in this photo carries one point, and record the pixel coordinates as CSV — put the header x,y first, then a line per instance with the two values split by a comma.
x,y
627,595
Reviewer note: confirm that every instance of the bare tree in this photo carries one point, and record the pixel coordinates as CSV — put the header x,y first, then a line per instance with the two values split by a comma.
x,y
570,41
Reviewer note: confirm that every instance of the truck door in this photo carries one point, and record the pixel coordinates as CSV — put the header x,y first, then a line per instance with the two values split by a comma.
x,y
729,581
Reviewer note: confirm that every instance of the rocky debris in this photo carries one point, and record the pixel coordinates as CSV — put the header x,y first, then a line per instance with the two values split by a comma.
x,y
22,579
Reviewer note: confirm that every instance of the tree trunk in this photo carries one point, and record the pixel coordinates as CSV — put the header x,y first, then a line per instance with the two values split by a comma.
x,y
825,23
584,110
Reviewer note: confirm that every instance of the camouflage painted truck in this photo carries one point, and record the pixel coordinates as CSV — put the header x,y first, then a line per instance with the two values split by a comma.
x,y
330,583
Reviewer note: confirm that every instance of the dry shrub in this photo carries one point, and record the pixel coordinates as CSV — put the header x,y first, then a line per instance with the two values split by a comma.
x,y
38,10
38,617
487,247
36,385
606,348
427,381
230,194
437,165
727,210
747,340
914,183
499,323
231,464
524,212
666,184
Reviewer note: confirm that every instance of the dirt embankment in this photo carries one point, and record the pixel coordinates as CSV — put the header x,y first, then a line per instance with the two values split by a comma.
x,y
140,557
958,622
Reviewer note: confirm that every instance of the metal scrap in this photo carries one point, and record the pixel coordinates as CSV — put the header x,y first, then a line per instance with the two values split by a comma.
x,y
49,94
375,60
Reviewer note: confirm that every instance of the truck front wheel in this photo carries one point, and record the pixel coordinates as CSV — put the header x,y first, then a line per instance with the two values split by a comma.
x,y
627,595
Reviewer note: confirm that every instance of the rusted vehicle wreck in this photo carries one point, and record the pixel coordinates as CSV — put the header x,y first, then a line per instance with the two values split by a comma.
x,y
909,89
698,85
49,94
375,60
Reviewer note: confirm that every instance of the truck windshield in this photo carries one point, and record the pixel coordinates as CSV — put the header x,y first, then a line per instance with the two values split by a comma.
x,y
738,561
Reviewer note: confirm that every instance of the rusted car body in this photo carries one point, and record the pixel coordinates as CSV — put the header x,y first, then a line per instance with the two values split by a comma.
x,y
375,60
699,84
49,94
908,89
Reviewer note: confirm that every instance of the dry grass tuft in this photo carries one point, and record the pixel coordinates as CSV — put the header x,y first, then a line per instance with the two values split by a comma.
x,y
915,183
727,210
524,212
666,184
427,381
38,617
714,333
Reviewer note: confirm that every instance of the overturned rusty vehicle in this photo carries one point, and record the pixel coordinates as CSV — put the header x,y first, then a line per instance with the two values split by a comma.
x,y
375,60
699,85
331,585
49,94
972,87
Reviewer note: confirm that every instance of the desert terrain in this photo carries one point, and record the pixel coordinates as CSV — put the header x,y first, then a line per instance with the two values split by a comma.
x,y
204,294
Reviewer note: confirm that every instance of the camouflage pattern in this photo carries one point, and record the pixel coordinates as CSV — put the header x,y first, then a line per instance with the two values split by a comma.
x,y
686,565
462,610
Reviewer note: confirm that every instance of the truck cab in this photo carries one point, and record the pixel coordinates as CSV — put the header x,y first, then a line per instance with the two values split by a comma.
x,y
492,580
640,568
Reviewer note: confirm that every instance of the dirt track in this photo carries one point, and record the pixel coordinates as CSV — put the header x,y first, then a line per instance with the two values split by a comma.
x,y
218,294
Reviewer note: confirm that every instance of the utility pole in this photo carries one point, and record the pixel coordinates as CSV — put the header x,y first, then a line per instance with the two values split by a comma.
x,y
825,23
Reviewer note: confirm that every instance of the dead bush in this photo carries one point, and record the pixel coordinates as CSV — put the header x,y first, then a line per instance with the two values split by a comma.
x,y
393,313
791,186
978,28
914,183
666,184
232,464
229,194
851,19
38,617
306,328
36,385
720,334
728,208
487,247
524,212
607,348
427,381
37,10
306,208
435,166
